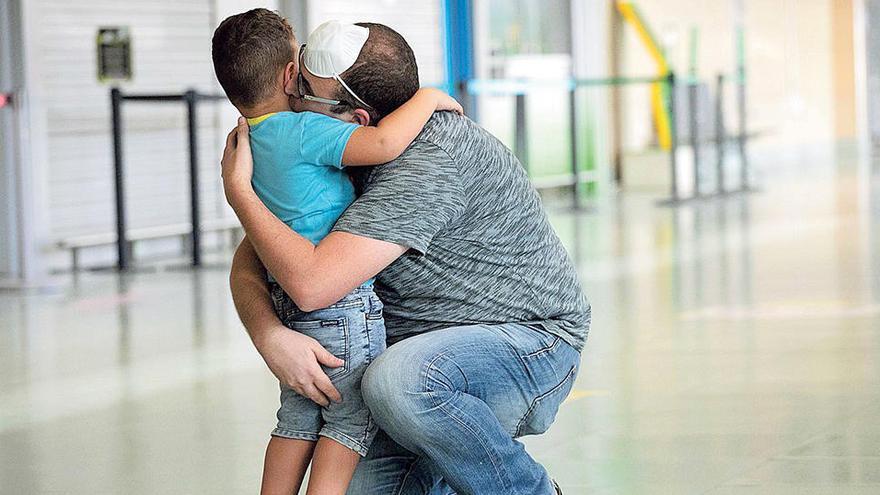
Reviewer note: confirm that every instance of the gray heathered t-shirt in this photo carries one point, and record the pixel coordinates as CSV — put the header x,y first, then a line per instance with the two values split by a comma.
x,y
481,247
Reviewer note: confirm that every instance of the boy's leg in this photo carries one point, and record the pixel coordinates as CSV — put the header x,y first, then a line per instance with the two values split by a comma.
x,y
285,465
333,465
460,396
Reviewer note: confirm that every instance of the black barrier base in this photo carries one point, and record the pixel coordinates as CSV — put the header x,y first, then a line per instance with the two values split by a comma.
x,y
129,269
671,202
204,267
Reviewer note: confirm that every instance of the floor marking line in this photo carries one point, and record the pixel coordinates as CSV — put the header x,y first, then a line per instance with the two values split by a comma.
x,y
577,394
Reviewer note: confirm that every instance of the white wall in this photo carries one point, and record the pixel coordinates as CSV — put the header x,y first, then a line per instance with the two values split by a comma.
x,y
171,53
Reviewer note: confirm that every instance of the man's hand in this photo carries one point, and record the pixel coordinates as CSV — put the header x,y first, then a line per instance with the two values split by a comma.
x,y
295,360
237,162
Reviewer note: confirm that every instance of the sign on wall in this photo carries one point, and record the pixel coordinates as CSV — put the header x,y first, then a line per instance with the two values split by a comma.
x,y
114,54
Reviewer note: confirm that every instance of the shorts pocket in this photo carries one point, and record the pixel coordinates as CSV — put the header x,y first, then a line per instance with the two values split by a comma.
x,y
333,335
543,408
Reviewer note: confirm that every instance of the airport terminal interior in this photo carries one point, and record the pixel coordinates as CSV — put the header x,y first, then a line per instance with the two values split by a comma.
x,y
711,171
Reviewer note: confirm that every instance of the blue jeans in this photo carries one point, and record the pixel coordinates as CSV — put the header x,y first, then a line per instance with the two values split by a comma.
x,y
450,403
353,330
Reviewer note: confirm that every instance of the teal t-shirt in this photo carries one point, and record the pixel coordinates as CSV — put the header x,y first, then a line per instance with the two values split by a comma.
x,y
298,169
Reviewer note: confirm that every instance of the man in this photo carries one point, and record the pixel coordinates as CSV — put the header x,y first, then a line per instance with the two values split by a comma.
x,y
485,315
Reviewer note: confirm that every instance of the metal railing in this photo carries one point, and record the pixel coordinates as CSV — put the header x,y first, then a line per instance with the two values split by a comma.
x,y
519,89
191,99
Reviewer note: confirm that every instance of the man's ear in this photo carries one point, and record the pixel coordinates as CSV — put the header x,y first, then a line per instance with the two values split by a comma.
x,y
290,72
360,116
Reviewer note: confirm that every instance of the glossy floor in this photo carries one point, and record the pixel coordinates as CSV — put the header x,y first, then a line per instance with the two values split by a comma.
x,y
735,350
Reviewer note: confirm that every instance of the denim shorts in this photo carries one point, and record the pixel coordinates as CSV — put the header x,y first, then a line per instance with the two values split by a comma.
x,y
352,330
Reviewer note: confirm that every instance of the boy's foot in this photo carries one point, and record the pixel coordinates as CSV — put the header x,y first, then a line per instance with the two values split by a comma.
x,y
556,486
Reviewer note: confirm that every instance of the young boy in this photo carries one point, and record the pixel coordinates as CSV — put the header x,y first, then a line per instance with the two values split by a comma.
x,y
298,161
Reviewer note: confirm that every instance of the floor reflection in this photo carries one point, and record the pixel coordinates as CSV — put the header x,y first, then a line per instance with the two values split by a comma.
x,y
733,351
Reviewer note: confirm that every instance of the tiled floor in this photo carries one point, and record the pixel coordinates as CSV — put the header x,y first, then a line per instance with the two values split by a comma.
x,y
735,351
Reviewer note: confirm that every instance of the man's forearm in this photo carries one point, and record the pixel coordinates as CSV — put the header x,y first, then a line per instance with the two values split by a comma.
x,y
313,276
250,293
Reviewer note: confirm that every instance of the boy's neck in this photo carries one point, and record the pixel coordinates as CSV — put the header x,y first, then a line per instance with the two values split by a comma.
x,y
278,104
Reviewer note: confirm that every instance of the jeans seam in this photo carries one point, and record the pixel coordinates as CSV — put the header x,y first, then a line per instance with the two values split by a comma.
x,y
495,462
545,349
537,400
369,334
409,471
345,369
366,430
294,434
343,439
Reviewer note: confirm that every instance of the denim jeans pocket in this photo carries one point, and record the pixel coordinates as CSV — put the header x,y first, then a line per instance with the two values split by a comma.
x,y
544,407
333,335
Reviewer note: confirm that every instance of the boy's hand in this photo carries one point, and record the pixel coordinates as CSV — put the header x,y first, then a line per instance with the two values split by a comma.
x,y
237,162
448,103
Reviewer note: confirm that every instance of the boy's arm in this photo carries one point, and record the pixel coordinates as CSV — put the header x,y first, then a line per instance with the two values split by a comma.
x,y
391,136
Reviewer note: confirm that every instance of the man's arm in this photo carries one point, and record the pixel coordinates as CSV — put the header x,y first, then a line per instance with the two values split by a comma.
x,y
250,293
313,276
291,356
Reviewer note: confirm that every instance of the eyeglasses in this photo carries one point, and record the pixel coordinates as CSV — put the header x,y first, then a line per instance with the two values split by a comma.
x,y
303,89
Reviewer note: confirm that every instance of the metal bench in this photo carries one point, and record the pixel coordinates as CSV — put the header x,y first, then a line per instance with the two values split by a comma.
x,y
76,243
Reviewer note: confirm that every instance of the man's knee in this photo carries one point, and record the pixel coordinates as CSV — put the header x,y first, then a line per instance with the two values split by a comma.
x,y
377,385
401,383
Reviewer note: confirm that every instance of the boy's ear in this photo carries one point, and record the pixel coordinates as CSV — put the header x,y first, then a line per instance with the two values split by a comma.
x,y
290,72
360,116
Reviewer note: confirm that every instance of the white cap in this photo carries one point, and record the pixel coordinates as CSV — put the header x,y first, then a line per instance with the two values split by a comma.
x,y
333,47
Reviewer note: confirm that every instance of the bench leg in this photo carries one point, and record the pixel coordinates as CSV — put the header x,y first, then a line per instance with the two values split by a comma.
x,y
74,259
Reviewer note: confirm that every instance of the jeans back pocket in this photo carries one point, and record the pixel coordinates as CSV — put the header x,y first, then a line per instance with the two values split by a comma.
x,y
333,335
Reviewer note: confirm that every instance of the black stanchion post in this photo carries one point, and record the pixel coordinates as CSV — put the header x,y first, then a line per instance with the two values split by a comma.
x,y
191,98
673,132
573,134
741,141
720,134
119,181
521,142
693,102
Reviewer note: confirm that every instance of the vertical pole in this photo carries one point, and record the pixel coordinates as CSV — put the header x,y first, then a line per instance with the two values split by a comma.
x,y
720,135
673,124
694,129
121,241
741,141
573,136
459,40
521,142
191,99
739,23
616,63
